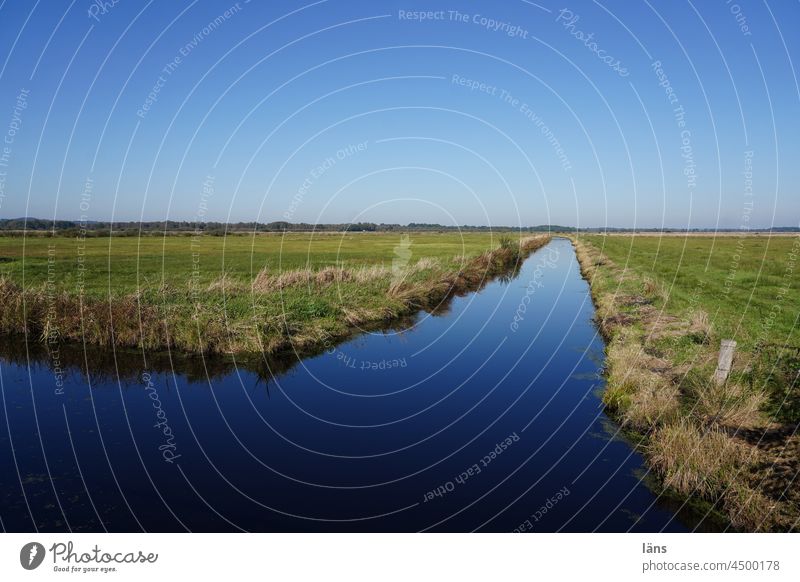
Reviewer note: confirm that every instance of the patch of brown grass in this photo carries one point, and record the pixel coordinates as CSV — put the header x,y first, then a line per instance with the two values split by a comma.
x,y
425,264
652,289
656,402
530,244
693,461
223,283
750,510
371,273
589,259
265,282
472,275
262,282
642,398
700,326
622,369
293,278
328,275
357,316
398,289
730,404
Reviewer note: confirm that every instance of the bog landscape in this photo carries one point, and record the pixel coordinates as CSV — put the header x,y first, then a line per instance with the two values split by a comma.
x,y
401,267
727,449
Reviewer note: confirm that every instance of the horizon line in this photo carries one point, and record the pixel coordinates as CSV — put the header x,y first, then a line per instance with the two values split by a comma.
x,y
413,224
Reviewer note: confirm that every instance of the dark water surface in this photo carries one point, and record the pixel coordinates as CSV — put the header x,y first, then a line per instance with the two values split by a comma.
x,y
465,421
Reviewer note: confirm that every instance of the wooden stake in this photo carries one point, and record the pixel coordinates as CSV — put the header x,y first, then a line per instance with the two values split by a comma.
x,y
726,351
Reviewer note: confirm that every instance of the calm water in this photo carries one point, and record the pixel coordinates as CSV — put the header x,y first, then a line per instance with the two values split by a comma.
x,y
467,420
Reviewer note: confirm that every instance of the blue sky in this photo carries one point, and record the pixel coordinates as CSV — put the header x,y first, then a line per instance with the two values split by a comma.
x,y
673,114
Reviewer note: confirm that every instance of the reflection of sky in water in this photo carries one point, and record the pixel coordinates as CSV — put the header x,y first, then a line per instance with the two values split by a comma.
x,y
353,439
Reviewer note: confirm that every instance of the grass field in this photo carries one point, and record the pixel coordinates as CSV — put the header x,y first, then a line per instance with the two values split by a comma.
x,y
739,281
664,304
135,262
258,293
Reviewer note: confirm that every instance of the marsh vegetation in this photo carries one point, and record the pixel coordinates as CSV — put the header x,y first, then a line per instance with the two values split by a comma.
x,y
262,293
664,305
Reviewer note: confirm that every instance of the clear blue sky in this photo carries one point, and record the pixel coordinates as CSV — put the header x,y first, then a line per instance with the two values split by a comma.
x,y
504,113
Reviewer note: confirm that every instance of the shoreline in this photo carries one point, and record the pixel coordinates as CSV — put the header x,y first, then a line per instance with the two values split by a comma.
x,y
707,463
163,318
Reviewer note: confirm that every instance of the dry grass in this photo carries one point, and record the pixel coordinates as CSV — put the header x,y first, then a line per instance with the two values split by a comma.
x,y
358,316
700,437
371,273
529,244
749,509
122,320
729,404
294,308
700,327
265,282
589,259
623,371
293,278
643,398
329,275
715,467
425,264
398,289
656,402
608,316
224,284
262,282
652,289
695,462
472,274
8,287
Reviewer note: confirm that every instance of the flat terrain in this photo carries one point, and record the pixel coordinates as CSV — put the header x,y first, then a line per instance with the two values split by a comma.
x,y
125,264
664,305
740,281
256,293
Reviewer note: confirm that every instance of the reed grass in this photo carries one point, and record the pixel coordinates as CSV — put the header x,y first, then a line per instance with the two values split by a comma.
x,y
277,309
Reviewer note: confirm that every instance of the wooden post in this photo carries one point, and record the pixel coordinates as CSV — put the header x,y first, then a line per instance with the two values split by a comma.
x,y
726,351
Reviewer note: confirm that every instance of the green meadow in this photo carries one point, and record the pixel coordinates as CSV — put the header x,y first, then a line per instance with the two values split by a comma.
x,y
664,304
115,265
241,293
748,285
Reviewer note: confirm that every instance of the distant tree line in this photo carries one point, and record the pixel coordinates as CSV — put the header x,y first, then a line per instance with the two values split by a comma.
x,y
177,227
99,228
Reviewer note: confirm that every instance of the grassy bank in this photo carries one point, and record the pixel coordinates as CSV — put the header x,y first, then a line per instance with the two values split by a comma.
x,y
263,293
663,306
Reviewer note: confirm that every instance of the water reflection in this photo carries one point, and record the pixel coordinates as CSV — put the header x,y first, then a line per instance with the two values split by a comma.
x,y
472,417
